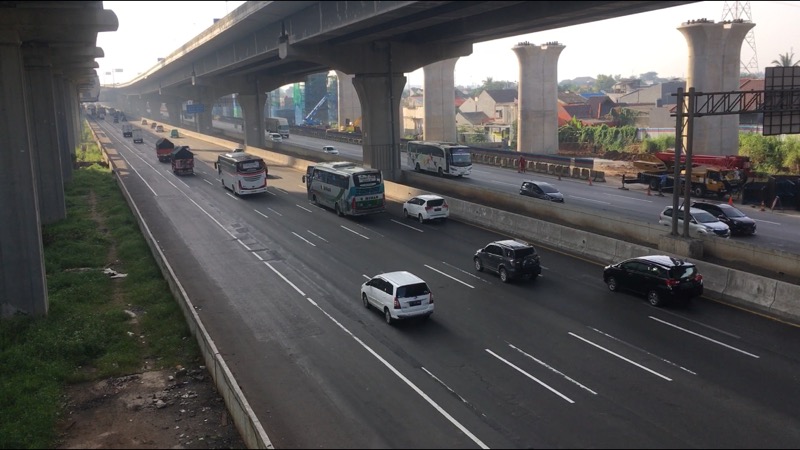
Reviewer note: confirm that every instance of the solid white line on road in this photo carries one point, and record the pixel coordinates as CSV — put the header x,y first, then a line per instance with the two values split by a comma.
x,y
408,226
620,356
541,383
354,232
705,337
448,276
306,240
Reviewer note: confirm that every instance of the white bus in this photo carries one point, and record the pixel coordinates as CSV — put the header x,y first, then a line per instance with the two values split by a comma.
x,y
242,173
346,188
443,158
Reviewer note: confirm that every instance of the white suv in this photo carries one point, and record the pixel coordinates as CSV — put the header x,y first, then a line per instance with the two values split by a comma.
x,y
701,222
399,295
275,137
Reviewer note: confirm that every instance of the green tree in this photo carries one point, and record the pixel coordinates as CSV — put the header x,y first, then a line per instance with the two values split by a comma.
x,y
791,154
605,82
786,60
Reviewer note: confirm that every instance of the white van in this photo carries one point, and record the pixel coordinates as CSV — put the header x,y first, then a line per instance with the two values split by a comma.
x,y
137,136
127,130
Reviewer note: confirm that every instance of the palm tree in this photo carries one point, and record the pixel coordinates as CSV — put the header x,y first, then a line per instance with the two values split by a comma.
x,y
786,60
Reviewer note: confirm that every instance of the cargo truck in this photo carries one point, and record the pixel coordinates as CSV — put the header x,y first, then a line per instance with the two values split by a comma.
x,y
277,125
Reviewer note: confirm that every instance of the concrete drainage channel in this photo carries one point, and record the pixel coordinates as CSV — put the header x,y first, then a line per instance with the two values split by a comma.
x,y
772,297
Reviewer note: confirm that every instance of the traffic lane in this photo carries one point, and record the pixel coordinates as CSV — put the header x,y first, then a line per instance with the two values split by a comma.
x,y
304,340
776,230
561,289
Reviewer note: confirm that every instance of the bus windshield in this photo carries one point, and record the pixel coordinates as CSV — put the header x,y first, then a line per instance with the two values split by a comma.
x,y
461,156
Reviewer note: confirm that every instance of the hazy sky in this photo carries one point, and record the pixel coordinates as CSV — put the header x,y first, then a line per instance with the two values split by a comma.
x,y
626,46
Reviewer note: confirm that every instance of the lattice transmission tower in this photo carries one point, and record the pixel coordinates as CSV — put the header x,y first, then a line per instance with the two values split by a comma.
x,y
741,11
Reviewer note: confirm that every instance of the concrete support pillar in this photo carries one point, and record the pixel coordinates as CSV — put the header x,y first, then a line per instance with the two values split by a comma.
x,y
537,120
60,100
71,124
23,285
439,116
44,139
174,110
139,106
348,107
714,61
379,94
252,111
207,98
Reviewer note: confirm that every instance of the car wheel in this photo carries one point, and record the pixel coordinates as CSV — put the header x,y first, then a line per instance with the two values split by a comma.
x,y
503,275
405,213
653,298
416,167
441,172
364,299
338,211
611,282
387,316
478,265
421,220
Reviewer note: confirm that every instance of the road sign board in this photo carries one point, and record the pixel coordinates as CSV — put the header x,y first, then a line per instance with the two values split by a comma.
x,y
195,108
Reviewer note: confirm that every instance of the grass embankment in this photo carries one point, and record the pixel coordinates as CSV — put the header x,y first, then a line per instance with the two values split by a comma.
x,y
97,326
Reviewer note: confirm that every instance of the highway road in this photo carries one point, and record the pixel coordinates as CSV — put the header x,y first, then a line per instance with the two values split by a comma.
x,y
559,362
776,229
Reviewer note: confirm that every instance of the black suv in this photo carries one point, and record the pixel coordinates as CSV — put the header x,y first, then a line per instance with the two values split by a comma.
x,y
736,220
510,259
659,277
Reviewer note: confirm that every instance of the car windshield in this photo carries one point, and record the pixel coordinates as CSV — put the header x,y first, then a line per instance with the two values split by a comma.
x,y
412,290
548,189
704,217
683,272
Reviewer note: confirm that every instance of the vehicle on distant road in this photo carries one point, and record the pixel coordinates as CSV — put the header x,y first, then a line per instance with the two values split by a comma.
x,y
275,137
426,207
277,125
700,222
541,190
736,220
242,173
510,259
329,149
348,189
442,158
661,278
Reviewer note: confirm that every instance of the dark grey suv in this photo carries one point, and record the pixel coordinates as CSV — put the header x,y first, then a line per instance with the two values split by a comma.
x,y
510,259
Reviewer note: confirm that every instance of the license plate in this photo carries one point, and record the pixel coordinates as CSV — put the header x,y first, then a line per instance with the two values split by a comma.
x,y
437,209
415,303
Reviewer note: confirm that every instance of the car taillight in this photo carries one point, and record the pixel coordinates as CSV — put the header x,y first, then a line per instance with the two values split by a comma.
x,y
353,207
396,303
672,283
698,278
445,205
431,301
428,207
